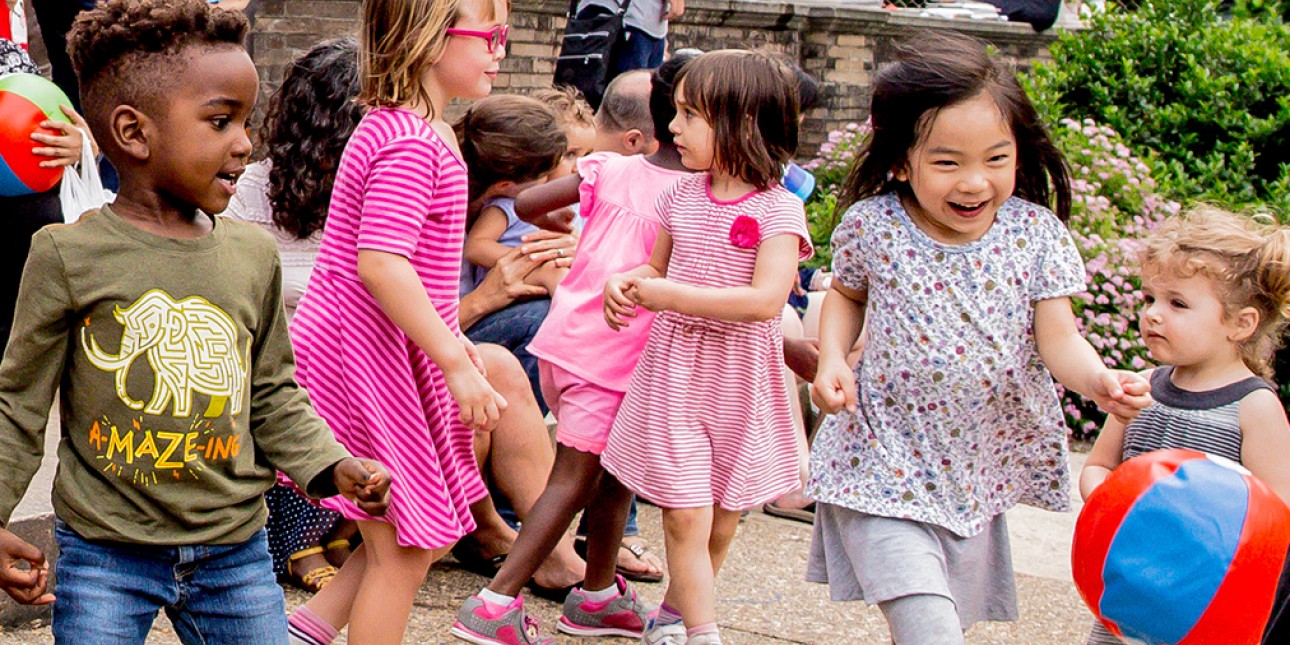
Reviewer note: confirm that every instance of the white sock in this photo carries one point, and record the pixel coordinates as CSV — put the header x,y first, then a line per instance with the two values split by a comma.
x,y
496,598
608,593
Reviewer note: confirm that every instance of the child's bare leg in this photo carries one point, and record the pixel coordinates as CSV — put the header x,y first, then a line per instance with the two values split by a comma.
x,y
392,576
692,590
336,601
606,521
724,525
568,490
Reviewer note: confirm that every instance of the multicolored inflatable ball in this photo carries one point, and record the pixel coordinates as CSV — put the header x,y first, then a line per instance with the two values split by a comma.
x,y
25,101
1179,547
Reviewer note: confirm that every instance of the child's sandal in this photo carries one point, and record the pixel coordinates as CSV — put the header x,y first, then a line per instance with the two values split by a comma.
x,y
313,580
338,551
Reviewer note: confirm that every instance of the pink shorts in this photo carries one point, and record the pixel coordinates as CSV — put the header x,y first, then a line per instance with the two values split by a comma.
x,y
584,412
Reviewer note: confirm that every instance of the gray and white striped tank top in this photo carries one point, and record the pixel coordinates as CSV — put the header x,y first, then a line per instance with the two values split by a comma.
x,y
1207,421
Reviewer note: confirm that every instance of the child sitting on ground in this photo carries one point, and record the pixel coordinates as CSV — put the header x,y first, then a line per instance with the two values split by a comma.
x,y
509,143
159,502
1216,296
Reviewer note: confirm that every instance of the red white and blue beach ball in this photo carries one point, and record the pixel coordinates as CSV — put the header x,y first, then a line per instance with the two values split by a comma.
x,y
1181,547
25,101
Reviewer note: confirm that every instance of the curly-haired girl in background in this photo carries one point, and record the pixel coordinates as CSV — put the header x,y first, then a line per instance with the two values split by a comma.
x,y
1217,295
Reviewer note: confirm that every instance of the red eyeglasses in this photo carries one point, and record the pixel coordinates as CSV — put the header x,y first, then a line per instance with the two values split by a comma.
x,y
495,37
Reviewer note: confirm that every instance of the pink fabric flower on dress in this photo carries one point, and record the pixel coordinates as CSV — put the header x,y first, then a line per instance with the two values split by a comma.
x,y
745,232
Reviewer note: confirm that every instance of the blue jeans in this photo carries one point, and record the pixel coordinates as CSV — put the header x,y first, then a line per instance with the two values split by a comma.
x,y
638,50
109,593
513,328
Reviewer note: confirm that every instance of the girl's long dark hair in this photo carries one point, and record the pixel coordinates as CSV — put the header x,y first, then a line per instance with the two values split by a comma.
x,y
935,71
310,118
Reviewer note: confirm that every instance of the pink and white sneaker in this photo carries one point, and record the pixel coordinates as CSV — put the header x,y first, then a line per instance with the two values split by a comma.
x,y
484,623
622,615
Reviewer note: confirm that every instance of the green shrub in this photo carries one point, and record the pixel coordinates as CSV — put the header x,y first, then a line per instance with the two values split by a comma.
x,y
1210,95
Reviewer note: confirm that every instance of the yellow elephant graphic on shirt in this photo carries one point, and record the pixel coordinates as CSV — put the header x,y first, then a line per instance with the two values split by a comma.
x,y
191,346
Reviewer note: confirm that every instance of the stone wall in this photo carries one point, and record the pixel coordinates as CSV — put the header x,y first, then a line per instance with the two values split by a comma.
x,y
838,42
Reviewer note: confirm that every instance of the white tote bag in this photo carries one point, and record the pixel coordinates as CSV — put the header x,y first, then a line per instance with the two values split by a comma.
x,y
82,189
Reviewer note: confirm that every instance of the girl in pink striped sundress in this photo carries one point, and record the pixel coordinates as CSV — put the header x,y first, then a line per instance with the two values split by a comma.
x,y
376,333
705,429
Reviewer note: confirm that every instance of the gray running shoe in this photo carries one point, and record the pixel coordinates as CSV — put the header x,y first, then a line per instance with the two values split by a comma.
x,y
623,615
484,623
669,634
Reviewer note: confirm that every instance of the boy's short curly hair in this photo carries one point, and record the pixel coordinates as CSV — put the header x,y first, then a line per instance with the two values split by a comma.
x,y
125,51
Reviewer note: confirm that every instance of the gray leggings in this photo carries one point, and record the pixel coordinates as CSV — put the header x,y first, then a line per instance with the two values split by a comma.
x,y
922,619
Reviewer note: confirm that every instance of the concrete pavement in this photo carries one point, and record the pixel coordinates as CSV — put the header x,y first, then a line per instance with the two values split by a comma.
x,y
761,595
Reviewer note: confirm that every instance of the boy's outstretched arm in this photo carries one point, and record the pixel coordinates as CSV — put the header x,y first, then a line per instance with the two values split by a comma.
x,y
283,424
26,586
544,205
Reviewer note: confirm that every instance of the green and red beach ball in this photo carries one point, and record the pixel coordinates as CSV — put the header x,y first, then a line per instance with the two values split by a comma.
x,y
25,101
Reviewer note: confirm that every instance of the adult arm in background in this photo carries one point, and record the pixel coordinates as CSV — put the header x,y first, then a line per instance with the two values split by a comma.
x,y
504,283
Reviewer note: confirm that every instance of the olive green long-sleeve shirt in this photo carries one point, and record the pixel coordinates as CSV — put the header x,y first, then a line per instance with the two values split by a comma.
x,y
176,380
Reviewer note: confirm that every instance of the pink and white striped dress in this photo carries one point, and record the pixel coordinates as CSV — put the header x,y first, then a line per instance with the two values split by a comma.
x,y
399,189
706,420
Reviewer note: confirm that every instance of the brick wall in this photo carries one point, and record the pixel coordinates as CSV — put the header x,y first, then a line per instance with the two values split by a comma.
x,y
839,43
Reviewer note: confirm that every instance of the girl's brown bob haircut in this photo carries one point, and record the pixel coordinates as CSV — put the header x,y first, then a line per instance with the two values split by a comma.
x,y
750,99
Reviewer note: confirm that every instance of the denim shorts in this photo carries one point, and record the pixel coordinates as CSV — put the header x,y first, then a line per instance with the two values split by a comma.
x,y
109,593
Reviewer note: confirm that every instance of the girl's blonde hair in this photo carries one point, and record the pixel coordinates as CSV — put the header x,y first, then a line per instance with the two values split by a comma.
x,y
1247,257
399,40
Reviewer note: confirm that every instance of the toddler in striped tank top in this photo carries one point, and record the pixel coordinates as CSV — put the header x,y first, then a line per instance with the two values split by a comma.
x,y
1217,291
951,264
705,430
376,333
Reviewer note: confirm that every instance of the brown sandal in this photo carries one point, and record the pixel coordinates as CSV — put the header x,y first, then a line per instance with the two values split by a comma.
x,y
313,580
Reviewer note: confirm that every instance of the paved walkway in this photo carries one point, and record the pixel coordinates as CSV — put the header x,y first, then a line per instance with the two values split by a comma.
x,y
762,598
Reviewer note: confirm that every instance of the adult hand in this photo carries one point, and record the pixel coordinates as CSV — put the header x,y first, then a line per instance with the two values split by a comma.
x,y
366,482
64,147
673,10
25,586
802,355
549,246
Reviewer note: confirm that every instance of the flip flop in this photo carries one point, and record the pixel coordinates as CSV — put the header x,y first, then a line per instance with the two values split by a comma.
x,y
797,514
470,560
637,549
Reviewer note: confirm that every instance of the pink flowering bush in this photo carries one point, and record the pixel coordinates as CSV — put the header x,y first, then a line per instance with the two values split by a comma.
x,y
1115,204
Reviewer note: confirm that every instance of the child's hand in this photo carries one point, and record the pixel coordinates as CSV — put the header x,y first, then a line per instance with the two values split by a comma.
x,y
25,586
617,304
1121,394
834,388
366,482
480,404
473,353
65,148
559,220
654,294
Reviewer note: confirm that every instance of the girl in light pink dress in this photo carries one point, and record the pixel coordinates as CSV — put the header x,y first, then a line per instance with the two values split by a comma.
x,y
585,367
376,332
705,430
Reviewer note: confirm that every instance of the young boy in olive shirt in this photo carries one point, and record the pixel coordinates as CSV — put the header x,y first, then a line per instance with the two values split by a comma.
x,y
164,329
